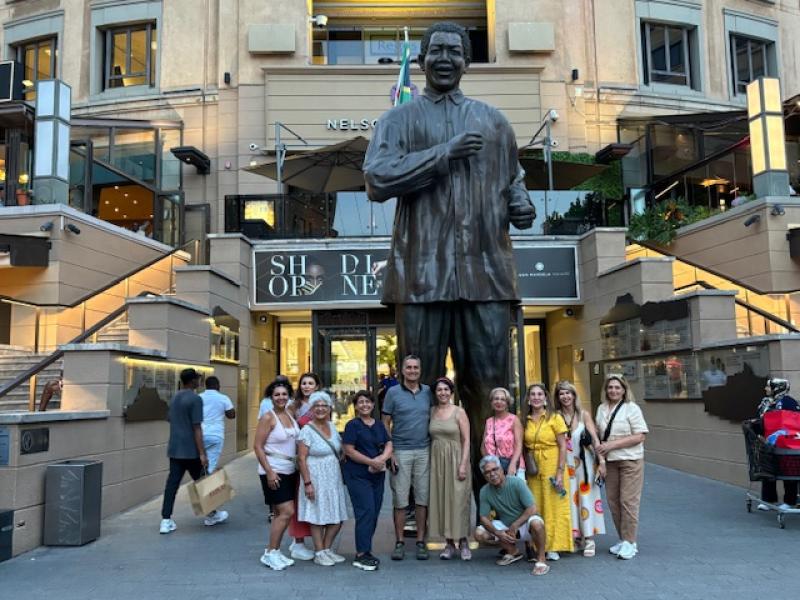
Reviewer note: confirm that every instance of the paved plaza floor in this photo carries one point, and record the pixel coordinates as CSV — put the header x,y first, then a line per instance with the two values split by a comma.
x,y
696,541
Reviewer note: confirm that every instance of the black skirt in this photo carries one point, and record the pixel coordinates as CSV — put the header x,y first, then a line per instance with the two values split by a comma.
x,y
287,489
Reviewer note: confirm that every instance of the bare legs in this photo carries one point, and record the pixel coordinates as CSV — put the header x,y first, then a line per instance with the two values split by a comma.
x,y
323,536
280,522
421,515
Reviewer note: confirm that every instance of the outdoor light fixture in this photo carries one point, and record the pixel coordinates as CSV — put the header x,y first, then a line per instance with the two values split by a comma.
x,y
767,140
73,228
752,220
778,210
52,141
46,226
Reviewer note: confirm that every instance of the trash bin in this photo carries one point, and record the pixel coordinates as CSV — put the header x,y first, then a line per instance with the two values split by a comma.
x,y
6,533
72,496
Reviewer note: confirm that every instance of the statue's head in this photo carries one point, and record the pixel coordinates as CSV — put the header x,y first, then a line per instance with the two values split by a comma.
x,y
445,53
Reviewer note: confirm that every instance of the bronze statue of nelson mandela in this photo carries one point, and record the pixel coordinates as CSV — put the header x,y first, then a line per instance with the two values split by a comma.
x,y
451,162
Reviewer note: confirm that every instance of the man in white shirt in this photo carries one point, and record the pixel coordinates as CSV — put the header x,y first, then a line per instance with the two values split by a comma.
x,y
216,407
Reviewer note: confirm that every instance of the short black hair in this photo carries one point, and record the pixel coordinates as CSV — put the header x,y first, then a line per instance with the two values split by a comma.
x,y
447,27
362,394
279,382
212,383
189,375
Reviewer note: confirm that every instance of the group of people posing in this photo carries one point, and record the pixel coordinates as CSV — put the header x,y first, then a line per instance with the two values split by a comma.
x,y
543,476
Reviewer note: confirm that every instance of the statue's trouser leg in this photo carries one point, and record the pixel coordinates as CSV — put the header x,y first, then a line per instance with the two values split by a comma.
x,y
424,330
480,355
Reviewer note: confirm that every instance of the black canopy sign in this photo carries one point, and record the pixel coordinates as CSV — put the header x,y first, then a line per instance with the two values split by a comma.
x,y
355,276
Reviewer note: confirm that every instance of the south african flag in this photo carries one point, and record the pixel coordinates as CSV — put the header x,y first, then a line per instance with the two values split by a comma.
x,y
402,92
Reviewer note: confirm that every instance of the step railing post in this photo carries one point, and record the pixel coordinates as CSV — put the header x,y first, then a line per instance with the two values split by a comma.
x,y
32,393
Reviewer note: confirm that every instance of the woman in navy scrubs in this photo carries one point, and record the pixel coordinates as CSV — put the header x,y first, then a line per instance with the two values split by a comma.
x,y
367,446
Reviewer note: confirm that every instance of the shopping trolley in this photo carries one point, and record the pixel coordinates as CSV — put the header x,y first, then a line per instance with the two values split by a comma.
x,y
766,462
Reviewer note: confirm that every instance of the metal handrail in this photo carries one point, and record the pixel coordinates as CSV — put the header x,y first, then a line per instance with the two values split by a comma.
x,y
759,311
57,354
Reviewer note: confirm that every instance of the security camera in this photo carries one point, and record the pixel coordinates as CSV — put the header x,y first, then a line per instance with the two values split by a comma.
x,y
253,146
319,21
554,143
553,115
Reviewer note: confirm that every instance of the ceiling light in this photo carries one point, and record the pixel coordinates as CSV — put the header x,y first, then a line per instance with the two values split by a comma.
x,y
116,187
135,201
116,209
125,194
107,202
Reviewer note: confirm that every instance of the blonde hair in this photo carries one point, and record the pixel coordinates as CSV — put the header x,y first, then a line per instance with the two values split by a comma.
x,y
548,406
566,386
506,394
627,394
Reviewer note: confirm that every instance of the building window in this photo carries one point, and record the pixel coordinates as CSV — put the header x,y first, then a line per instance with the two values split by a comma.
x,y
130,56
38,58
667,53
749,60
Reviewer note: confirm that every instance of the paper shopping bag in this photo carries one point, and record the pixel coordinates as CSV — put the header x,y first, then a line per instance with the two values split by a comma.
x,y
210,492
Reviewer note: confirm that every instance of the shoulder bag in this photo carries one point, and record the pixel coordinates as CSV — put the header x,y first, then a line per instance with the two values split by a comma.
x,y
337,453
531,468
607,431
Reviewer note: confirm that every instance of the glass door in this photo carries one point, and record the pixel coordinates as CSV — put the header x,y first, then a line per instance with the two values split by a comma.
x,y
346,366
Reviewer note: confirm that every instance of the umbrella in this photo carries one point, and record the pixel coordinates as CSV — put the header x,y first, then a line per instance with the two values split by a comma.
x,y
566,175
328,169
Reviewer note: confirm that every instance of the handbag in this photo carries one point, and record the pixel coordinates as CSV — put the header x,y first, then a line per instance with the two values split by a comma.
x,y
210,492
531,468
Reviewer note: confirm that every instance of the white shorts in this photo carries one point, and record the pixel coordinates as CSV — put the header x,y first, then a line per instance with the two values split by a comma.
x,y
524,532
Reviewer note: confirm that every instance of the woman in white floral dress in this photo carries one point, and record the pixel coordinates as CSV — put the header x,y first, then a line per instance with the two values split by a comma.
x,y
586,504
322,498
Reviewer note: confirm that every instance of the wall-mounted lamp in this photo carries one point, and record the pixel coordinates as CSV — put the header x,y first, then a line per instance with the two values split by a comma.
x,y
752,220
767,139
777,210
73,228
46,226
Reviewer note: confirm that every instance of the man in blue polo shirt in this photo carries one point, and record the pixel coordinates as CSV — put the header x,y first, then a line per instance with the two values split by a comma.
x,y
406,412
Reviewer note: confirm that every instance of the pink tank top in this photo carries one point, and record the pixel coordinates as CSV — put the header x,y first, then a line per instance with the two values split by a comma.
x,y
498,436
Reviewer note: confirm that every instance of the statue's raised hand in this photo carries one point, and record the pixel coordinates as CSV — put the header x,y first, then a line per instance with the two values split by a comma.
x,y
464,145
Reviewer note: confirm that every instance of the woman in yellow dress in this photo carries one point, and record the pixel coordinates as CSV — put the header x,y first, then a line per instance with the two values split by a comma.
x,y
546,441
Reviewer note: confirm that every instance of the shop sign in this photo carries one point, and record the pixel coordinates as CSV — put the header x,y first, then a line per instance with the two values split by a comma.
x,y
355,276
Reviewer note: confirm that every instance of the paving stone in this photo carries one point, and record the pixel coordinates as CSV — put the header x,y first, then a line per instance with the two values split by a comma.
x,y
696,541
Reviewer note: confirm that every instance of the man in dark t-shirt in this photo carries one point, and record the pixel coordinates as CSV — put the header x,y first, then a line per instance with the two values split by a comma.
x,y
185,448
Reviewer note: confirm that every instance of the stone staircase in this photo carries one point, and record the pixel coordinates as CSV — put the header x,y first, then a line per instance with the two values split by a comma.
x,y
116,332
14,361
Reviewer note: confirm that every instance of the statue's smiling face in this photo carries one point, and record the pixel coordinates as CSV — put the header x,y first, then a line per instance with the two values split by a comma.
x,y
444,62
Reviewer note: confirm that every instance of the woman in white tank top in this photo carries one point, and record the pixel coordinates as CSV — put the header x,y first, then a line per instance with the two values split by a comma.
x,y
276,450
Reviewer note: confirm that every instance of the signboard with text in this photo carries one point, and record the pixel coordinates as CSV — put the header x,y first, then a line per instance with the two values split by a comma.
x,y
316,278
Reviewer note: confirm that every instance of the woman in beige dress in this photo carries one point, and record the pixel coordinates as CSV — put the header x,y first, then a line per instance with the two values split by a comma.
x,y
451,481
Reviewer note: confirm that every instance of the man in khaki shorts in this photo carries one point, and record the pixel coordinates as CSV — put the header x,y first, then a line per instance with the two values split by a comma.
x,y
406,412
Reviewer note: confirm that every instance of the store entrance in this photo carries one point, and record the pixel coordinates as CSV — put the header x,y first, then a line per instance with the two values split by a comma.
x,y
353,350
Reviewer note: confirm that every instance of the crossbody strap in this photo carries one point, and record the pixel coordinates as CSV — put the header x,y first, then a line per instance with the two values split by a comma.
x,y
326,440
607,432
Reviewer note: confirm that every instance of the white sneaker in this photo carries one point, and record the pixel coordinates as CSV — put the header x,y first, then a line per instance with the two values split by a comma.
x,y
322,559
216,517
762,506
784,506
300,552
167,526
271,559
616,548
552,556
286,560
337,558
628,551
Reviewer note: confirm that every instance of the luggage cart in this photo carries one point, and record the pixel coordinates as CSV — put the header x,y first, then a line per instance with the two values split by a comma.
x,y
766,462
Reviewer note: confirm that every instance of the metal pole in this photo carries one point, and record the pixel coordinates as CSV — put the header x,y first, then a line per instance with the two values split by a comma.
x,y
549,160
279,155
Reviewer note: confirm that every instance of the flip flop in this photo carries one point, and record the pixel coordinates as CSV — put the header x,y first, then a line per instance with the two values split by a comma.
x,y
540,569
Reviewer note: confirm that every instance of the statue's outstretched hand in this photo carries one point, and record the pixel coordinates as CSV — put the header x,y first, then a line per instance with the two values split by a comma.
x,y
464,145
